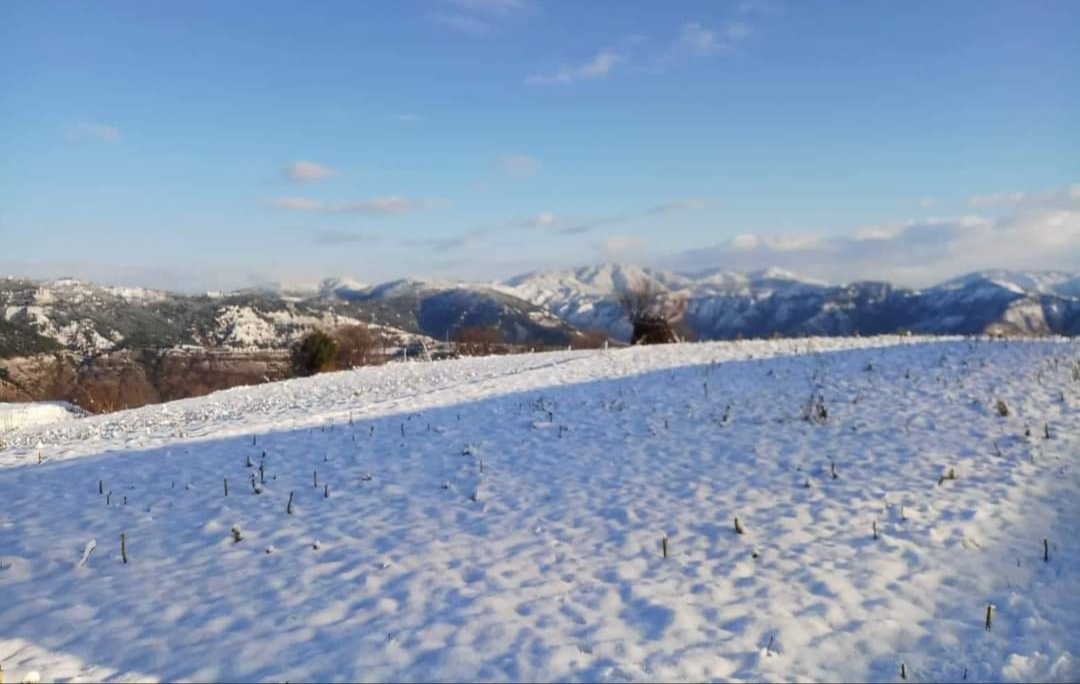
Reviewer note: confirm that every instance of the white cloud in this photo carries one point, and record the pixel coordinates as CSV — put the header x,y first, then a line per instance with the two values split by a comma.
x,y
699,40
597,67
408,118
541,220
340,237
518,165
476,17
916,252
997,200
308,172
545,219
462,23
298,204
1067,197
378,206
95,131
393,205
619,246
677,206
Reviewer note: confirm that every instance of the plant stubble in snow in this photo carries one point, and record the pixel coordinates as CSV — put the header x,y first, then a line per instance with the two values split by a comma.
x,y
497,519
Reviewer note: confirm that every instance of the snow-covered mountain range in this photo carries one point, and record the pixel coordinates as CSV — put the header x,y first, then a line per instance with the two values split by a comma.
x,y
727,304
540,309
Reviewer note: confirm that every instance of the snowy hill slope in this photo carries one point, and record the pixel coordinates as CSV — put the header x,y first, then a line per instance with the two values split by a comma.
x,y
441,309
92,319
503,519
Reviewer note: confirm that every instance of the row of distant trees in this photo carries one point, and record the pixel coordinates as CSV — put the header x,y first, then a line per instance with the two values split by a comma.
x,y
655,318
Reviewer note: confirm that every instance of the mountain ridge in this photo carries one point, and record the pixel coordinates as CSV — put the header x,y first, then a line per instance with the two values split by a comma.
x,y
540,308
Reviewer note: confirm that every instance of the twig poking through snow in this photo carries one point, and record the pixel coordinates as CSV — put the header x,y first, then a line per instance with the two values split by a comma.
x,y
87,550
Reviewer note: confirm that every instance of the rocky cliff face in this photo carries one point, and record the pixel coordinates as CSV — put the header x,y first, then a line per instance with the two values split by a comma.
x,y
131,378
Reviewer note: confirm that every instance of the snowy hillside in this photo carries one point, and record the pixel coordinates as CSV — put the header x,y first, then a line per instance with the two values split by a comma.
x,y
822,509
19,416
542,309
89,319
730,304
442,308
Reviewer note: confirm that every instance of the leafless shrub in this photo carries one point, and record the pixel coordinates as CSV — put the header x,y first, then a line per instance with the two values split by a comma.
x,y
655,315
595,338
356,346
478,341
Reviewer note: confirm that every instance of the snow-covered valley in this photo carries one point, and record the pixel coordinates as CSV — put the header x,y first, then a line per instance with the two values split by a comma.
x,y
817,509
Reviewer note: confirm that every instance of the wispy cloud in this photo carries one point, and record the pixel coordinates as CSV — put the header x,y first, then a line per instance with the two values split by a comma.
x,y
378,206
543,220
1037,235
298,204
699,40
462,23
664,209
408,118
695,40
621,246
518,165
598,67
1066,197
340,237
95,131
674,206
547,222
476,17
308,172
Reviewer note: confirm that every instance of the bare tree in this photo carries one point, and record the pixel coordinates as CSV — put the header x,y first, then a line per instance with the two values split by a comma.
x,y
594,338
477,341
654,314
355,346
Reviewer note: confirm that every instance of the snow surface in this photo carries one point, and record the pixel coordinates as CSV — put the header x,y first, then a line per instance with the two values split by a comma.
x,y
19,416
502,518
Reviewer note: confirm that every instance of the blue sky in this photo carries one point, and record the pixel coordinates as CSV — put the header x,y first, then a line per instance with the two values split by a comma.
x,y
221,144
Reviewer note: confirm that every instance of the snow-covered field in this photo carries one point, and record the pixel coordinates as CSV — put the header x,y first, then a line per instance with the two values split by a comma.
x,y
505,518
21,416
